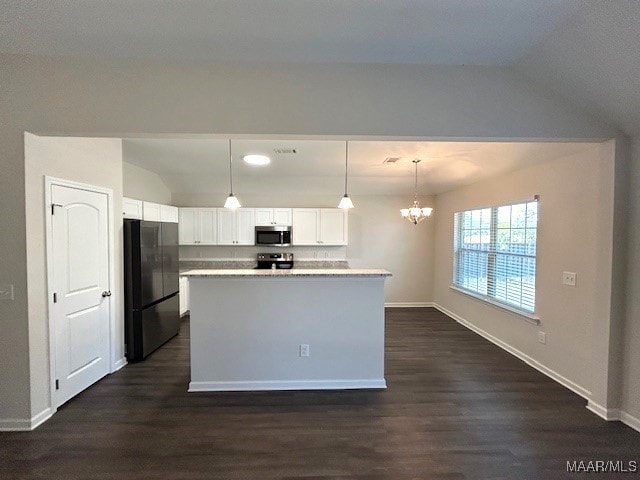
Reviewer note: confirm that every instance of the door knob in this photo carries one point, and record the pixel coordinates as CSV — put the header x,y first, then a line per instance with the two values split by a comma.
x,y
106,294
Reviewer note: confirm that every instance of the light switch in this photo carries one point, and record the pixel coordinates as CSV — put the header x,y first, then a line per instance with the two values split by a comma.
x,y
569,278
6,292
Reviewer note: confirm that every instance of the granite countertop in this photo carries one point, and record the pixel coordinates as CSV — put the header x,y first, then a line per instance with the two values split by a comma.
x,y
294,272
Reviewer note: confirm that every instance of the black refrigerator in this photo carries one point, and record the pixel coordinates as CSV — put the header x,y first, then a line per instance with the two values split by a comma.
x,y
151,286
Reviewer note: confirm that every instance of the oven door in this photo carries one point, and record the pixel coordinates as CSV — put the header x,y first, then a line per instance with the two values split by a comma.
x,y
268,237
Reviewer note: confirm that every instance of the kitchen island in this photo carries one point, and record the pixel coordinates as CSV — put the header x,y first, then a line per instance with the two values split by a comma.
x,y
298,329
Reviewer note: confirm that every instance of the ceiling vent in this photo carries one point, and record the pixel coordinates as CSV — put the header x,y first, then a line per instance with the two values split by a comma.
x,y
391,159
285,151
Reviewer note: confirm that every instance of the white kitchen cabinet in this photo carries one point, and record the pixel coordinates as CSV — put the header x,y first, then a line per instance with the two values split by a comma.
x,y
198,226
184,295
334,226
131,208
151,211
236,227
273,216
320,226
169,214
306,222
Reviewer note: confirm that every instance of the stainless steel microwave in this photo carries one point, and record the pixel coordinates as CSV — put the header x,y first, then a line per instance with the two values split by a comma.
x,y
275,235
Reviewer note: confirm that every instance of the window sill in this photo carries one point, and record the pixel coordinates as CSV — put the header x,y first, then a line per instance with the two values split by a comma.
x,y
529,317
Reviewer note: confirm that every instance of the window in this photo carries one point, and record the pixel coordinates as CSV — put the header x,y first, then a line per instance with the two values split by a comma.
x,y
495,254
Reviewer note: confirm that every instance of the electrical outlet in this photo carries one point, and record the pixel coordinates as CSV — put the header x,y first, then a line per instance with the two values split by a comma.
x,y
6,292
542,337
304,349
569,278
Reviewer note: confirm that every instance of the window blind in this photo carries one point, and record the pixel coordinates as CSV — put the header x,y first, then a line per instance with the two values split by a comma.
x,y
495,253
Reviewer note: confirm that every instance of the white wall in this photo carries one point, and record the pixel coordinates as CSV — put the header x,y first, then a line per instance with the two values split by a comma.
x,y
143,184
89,97
378,238
574,234
631,337
95,161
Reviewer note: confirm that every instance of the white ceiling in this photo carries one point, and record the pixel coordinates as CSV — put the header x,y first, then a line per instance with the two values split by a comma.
x,y
452,32
593,61
202,165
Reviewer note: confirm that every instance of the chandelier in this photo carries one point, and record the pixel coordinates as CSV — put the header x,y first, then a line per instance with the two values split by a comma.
x,y
415,214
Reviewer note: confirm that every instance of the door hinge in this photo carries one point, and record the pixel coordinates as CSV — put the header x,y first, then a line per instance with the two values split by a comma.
x,y
57,384
55,298
53,208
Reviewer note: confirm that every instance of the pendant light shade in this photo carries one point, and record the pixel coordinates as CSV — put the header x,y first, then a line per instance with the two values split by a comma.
x,y
415,214
345,201
232,202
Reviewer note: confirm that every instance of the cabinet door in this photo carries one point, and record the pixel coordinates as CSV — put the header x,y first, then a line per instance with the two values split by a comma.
x,y
151,211
282,216
264,216
245,226
226,227
169,214
188,226
333,226
208,226
305,223
131,208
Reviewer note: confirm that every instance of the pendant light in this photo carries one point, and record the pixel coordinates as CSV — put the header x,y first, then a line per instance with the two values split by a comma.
x,y
415,214
232,202
345,202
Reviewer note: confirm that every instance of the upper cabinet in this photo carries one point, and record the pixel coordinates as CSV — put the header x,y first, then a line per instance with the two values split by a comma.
x,y
236,227
151,211
198,226
168,214
131,208
320,226
154,212
273,216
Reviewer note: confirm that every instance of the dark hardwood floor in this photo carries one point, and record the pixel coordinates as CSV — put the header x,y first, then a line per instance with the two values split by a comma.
x,y
456,407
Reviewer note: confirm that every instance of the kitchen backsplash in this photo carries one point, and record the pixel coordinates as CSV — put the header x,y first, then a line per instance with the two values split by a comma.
x,y
239,253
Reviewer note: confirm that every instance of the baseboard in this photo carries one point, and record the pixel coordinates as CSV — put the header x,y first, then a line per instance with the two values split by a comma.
x,y
25,425
630,420
408,304
574,387
608,414
287,385
119,364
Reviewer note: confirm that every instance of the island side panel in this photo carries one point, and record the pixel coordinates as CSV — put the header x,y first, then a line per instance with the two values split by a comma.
x,y
246,333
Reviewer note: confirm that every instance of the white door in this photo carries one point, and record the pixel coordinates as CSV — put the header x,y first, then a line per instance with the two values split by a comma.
x,y
131,208
226,227
187,226
305,226
151,212
80,279
245,226
264,217
208,225
333,226
282,216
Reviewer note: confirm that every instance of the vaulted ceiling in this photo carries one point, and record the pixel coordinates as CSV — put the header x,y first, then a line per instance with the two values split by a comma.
x,y
451,32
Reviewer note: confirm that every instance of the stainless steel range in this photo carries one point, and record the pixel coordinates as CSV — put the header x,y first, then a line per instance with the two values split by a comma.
x,y
275,260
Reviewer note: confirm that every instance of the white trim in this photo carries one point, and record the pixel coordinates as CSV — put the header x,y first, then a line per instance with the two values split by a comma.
x,y
374,383
529,317
48,183
614,414
119,364
574,387
630,421
25,425
408,304
607,414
